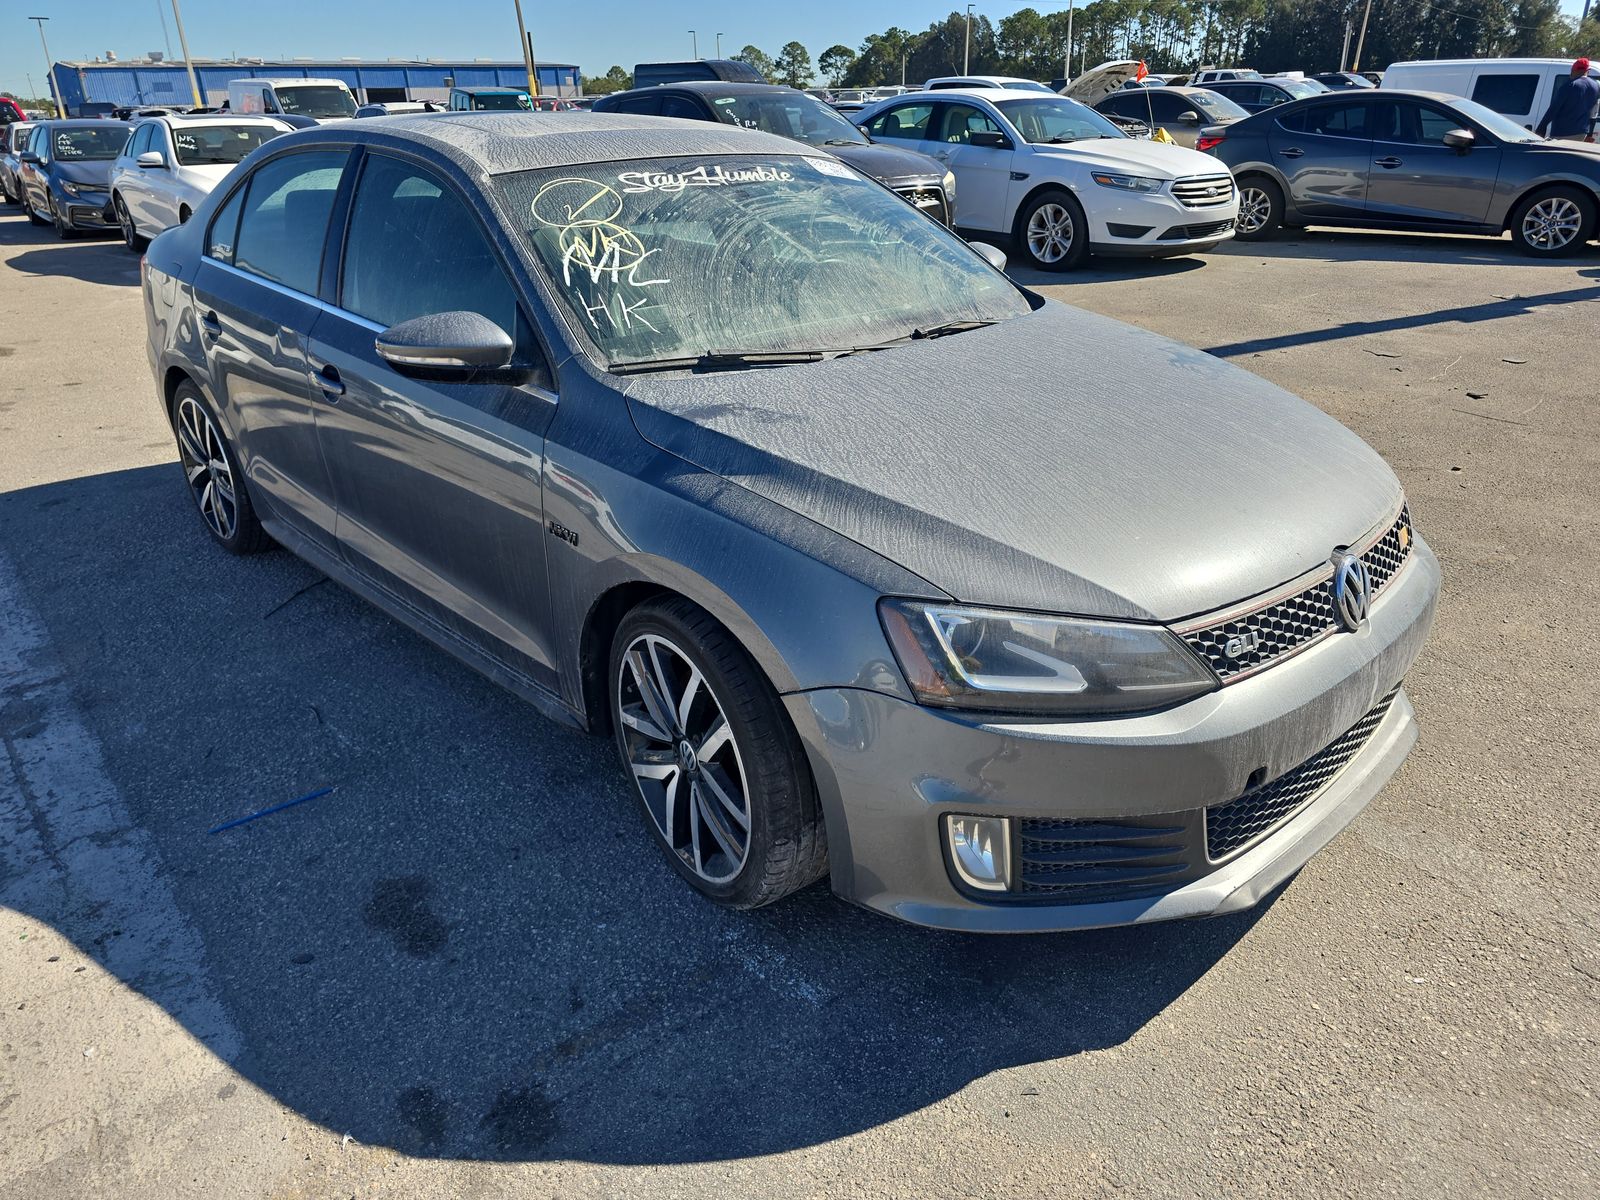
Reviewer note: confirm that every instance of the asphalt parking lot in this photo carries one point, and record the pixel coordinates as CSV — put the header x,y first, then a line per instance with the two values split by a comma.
x,y
466,970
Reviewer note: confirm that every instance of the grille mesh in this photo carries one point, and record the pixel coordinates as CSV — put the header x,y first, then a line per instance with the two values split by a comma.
x,y
1084,860
1206,191
1233,826
930,200
1248,641
1180,233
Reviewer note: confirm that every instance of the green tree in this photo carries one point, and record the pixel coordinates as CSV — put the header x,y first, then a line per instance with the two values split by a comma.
x,y
835,62
793,65
614,80
755,58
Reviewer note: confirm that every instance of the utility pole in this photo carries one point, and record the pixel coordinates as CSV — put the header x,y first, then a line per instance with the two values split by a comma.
x,y
719,45
183,44
166,38
1344,50
694,44
49,67
966,55
527,53
1355,63
1067,69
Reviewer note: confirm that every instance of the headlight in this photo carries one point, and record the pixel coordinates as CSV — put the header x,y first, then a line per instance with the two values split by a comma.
x,y
1129,183
949,182
996,661
69,187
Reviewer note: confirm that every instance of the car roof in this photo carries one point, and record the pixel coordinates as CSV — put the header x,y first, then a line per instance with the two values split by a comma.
x,y
478,91
496,143
186,120
725,86
84,122
990,78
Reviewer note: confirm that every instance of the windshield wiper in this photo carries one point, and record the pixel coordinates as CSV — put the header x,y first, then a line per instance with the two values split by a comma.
x,y
722,360
948,327
843,142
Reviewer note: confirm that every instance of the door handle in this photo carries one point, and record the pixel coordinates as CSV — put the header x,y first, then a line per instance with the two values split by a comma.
x,y
1391,162
210,326
1292,153
328,381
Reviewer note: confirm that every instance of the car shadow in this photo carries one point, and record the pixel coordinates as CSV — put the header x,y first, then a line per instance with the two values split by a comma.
x,y
1444,249
471,948
1108,270
91,257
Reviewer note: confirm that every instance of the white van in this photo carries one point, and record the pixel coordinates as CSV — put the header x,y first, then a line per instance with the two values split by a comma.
x,y
1519,88
300,102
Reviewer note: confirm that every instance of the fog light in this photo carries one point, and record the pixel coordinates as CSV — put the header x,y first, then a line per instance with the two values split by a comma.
x,y
980,849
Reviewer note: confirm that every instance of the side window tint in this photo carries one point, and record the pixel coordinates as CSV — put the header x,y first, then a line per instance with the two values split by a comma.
x,y
641,106
224,229
284,224
678,106
1432,125
1294,122
414,249
1338,120
904,124
961,121
1511,94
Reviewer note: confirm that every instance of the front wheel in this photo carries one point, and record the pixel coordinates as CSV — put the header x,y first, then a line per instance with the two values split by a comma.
x,y
1052,232
130,231
716,764
1553,223
33,217
64,229
1260,210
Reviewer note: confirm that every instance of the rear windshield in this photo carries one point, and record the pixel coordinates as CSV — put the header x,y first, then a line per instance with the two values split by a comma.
x,y
217,145
1214,104
795,115
321,102
87,145
500,102
675,258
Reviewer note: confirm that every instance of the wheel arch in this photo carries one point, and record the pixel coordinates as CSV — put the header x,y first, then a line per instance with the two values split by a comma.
x,y
1588,186
1033,193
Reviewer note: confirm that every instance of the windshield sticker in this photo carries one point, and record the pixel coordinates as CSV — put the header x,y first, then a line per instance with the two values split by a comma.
x,y
584,214
186,143
697,177
828,167
65,148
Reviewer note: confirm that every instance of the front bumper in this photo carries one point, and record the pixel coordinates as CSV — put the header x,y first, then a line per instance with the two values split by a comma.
x,y
1154,225
888,771
84,211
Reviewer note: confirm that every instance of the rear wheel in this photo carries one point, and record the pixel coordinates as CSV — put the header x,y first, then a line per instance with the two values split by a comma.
x,y
715,762
1260,209
1553,223
212,473
1052,233
130,231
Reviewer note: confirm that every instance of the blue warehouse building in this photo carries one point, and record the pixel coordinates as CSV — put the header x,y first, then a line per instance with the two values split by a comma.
x,y
87,88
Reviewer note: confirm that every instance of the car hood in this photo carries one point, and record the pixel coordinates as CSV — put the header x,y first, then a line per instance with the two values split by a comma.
x,y
1099,82
97,172
1589,152
889,164
1058,461
206,175
1151,158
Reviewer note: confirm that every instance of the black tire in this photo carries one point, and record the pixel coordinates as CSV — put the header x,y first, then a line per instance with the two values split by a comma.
x,y
1260,209
237,531
1036,245
130,232
5,188
33,217
1540,221
64,231
785,846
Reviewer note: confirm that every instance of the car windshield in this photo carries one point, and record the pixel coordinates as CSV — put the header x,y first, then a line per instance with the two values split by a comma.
x,y
1215,104
1299,88
726,256
502,102
317,101
84,145
217,145
1503,128
1057,120
792,115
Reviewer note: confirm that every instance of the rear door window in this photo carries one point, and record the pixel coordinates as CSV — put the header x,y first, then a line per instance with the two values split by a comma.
x,y
639,106
284,223
905,123
1348,120
681,106
961,121
1504,93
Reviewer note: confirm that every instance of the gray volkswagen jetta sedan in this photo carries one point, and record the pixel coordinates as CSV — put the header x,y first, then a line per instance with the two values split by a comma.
x,y
1001,615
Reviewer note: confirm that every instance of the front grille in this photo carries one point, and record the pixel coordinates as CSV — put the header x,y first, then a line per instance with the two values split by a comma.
x,y
1205,191
1183,233
1242,641
930,200
1077,861
1232,827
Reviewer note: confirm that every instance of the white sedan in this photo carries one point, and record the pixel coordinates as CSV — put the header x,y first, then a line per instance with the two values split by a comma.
x,y
170,164
1058,179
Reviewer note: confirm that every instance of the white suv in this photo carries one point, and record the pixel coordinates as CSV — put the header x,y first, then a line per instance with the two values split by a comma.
x,y
1059,179
171,163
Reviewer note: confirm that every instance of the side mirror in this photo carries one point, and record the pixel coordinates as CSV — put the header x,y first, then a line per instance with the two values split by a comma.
x,y
448,342
1460,139
1190,118
152,160
989,138
992,255
26,157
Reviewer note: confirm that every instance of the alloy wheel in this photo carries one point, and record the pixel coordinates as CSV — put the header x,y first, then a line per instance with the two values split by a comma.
x,y
1255,210
684,758
130,234
205,466
1552,223
1050,233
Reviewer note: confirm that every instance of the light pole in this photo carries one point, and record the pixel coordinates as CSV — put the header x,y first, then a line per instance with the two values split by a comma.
x,y
719,45
183,44
527,52
966,55
1361,40
694,42
49,67
1067,70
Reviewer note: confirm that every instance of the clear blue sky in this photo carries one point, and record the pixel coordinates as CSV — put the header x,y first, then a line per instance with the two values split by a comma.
x,y
592,33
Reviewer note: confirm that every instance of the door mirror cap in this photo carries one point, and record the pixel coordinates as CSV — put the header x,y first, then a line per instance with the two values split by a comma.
x,y
1190,118
992,255
450,342
993,139
151,159
1460,139
31,159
